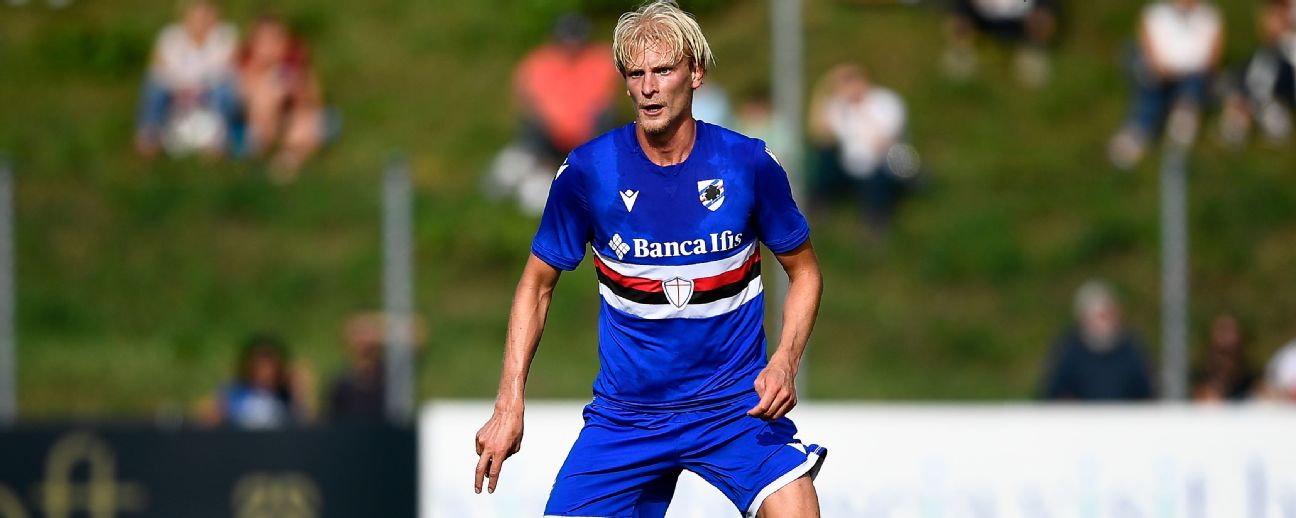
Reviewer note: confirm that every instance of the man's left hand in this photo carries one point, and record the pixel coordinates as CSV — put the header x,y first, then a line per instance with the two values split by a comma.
x,y
776,386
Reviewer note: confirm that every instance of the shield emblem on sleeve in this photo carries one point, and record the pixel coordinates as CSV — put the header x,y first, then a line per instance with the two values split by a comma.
x,y
678,291
711,193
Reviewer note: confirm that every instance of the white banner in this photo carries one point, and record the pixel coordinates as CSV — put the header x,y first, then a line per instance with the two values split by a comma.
x,y
1015,461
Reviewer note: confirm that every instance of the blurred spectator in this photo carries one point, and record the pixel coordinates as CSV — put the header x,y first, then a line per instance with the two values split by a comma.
x,y
711,104
858,132
1099,360
358,393
1266,89
1280,382
755,118
189,97
1029,24
565,91
282,98
1226,374
267,391
1180,43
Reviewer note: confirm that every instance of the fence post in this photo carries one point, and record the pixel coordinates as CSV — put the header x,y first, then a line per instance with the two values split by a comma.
x,y
787,79
8,356
1174,274
398,290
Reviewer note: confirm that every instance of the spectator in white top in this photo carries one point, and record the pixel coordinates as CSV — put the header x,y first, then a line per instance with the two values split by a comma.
x,y
858,129
1180,42
189,94
1266,88
1031,25
1280,382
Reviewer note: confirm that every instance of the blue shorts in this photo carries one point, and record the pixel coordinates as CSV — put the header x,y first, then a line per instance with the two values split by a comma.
x,y
625,463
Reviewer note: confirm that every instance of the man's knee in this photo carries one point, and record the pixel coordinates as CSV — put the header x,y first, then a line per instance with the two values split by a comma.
x,y
795,500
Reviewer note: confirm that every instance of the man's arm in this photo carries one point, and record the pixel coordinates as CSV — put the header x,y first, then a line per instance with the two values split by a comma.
x,y
501,436
776,385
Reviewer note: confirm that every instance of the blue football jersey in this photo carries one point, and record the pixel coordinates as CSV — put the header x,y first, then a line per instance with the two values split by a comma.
x,y
677,255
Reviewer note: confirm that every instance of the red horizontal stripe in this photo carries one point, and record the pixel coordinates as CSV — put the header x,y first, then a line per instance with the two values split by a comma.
x,y
726,278
635,283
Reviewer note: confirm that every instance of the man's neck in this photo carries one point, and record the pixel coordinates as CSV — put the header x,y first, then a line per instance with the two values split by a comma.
x,y
669,147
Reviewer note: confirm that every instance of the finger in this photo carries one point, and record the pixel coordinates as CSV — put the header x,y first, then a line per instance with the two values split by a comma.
x,y
776,404
787,406
762,408
788,403
480,446
482,464
495,473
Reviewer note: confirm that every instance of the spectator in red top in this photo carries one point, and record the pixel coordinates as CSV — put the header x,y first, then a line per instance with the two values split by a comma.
x,y
281,95
565,89
564,92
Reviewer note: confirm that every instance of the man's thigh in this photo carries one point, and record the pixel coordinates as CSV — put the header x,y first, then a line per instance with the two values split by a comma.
x,y
795,500
746,458
622,466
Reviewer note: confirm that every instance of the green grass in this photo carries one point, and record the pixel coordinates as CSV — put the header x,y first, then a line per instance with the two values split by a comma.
x,y
137,280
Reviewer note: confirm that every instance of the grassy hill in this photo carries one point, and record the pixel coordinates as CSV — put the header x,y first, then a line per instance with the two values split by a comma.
x,y
137,280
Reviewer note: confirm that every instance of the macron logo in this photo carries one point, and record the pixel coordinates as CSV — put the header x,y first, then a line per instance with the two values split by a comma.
x,y
618,246
628,196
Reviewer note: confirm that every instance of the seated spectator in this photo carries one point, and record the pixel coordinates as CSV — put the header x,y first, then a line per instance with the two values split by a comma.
x,y
189,96
1180,43
711,104
267,391
1226,375
858,131
358,393
1029,24
1099,360
282,98
564,91
754,117
1280,377
1265,92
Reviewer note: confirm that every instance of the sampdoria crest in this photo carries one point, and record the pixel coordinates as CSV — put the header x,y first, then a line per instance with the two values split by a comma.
x,y
678,291
711,193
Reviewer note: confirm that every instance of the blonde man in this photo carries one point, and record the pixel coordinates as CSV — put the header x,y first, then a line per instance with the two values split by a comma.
x,y
675,211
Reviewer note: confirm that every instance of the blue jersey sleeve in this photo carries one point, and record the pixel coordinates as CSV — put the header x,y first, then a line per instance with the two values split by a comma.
x,y
779,222
565,227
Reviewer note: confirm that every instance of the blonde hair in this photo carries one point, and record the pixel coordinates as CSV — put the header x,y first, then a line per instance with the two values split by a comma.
x,y
660,23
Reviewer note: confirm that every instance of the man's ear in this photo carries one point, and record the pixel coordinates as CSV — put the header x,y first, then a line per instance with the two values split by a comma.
x,y
696,73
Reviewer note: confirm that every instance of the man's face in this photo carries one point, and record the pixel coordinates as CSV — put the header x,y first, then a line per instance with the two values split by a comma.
x,y
265,371
200,18
1102,322
661,88
269,42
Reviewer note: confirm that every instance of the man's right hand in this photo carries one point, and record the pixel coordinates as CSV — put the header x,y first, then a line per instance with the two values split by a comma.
x,y
497,440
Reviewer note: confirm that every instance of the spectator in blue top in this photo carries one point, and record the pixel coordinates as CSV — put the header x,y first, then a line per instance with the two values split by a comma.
x,y
267,392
